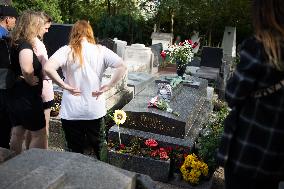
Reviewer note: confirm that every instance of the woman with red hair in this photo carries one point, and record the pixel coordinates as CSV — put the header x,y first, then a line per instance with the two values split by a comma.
x,y
83,63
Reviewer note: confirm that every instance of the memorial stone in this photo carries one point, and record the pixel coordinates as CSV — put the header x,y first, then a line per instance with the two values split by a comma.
x,y
138,58
165,38
38,169
56,37
120,47
109,43
229,41
156,50
189,99
195,39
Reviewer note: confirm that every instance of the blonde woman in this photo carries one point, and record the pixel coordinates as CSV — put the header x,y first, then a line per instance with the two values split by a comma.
x,y
83,63
25,97
47,89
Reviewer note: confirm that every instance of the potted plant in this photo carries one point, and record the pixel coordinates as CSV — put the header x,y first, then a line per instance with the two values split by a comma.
x,y
180,55
209,140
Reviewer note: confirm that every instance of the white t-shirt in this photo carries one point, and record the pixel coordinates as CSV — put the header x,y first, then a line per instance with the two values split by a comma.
x,y
87,78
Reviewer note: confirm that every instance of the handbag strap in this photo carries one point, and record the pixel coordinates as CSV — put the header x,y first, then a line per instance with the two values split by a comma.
x,y
269,90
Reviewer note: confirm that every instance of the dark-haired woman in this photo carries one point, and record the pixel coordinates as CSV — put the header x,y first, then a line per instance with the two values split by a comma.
x,y
252,147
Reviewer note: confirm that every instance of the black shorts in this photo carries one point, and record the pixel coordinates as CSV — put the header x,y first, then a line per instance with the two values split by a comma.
x,y
26,108
48,105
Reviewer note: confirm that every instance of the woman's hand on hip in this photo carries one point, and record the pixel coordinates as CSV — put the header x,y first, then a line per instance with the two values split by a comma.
x,y
72,90
103,89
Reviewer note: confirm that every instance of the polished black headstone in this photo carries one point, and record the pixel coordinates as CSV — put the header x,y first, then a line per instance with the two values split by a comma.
x,y
109,43
56,37
187,101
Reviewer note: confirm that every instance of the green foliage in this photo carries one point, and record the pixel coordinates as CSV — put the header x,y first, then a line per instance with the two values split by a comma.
x,y
124,27
75,10
208,142
51,7
133,20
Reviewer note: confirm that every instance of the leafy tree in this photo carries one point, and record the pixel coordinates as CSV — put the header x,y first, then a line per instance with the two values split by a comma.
x,y
51,7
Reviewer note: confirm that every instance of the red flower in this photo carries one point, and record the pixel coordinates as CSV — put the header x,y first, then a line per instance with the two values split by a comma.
x,y
154,153
151,143
163,155
163,54
122,146
189,41
169,149
181,43
194,45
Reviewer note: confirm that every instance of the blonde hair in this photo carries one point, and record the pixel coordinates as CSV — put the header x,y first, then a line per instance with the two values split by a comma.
x,y
46,17
81,29
28,27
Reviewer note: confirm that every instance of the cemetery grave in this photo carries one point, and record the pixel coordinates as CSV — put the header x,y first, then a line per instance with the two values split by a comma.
x,y
189,99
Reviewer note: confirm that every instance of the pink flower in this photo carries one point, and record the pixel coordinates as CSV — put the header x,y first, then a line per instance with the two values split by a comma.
x,y
163,54
181,43
151,143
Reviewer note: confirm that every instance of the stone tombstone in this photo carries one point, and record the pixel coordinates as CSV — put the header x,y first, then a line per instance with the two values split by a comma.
x,y
157,49
138,81
188,100
6,2
109,43
165,38
195,39
229,41
120,46
119,94
138,58
38,169
56,37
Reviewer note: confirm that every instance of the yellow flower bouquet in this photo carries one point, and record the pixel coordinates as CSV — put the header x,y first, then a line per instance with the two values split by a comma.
x,y
193,169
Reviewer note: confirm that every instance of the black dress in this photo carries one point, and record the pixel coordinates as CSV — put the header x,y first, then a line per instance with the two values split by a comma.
x,y
25,101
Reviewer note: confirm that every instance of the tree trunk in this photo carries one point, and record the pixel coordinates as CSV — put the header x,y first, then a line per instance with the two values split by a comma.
x,y
108,7
172,21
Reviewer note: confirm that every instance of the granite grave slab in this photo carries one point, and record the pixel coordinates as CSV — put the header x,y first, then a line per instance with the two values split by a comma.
x,y
186,100
138,81
49,169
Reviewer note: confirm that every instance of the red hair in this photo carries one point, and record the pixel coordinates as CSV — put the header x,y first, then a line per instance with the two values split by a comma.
x,y
81,29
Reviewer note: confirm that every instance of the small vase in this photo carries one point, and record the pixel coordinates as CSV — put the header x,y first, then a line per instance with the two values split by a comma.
x,y
180,66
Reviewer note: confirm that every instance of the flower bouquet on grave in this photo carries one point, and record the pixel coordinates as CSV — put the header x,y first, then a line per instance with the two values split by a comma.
x,y
180,54
148,148
193,169
161,104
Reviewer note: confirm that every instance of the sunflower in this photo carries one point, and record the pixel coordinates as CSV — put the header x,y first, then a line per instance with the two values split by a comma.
x,y
119,117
